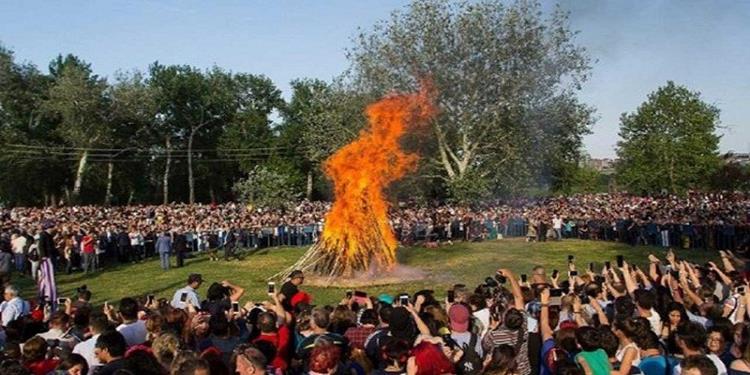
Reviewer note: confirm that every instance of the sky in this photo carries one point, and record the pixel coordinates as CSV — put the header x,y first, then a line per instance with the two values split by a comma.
x,y
636,45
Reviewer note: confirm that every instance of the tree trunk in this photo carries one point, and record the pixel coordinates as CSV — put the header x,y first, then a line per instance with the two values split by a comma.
x,y
309,189
166,172
191,182
108,195
79,175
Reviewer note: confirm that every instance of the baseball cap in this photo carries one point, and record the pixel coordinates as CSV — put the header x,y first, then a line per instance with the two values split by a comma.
x,y
459,318
386,298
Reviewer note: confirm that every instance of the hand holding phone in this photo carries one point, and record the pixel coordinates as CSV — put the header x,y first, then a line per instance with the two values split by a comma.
x,y
555,274
451,296
403,299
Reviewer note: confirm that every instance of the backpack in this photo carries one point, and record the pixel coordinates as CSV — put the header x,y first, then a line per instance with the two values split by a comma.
x,y
470,363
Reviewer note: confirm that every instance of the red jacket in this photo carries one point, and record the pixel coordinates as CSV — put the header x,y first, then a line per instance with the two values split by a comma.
x,y
281,341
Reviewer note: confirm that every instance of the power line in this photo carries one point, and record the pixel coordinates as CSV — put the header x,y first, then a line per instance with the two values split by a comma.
x,y
94,149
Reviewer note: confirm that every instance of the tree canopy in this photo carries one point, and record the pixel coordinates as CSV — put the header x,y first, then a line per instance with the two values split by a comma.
x,y
669,143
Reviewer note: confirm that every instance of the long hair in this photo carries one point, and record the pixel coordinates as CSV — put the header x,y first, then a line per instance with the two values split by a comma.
x,y
503,361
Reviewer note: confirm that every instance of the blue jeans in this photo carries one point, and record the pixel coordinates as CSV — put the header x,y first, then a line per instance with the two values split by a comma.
x,y
164,258
20,262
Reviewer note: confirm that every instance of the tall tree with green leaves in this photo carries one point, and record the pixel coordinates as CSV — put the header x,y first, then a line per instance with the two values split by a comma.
x,y
669,143
78,99
132,117
506,79
247,135
27,175
319,119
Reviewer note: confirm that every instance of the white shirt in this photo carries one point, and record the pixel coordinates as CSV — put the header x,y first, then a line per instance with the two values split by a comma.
x,y
134,333
464,338
192,296
86,350
717,362
18,244
557,223
13,309
655,321
483,316
69,341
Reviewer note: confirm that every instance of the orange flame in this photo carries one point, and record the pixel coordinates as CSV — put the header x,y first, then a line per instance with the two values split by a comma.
x,y
357,233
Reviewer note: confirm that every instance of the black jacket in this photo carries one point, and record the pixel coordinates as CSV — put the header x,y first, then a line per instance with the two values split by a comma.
x,y
46,246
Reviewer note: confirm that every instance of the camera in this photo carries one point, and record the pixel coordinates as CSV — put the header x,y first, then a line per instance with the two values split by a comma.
x,y
501,279
490,282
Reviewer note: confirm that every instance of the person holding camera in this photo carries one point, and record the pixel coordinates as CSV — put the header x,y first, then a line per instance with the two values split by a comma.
x,y
509,326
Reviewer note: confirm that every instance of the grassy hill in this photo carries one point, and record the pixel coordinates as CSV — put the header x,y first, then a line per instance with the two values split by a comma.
x,y
467,263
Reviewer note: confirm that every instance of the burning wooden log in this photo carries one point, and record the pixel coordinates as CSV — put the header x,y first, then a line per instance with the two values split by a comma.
x,y
357,235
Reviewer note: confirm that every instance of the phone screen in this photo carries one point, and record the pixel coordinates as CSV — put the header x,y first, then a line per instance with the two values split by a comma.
x,y
271,288
591,266
555,273
555,292
523,278
608,265
404,299
235,307
183,297
61,301
571,258
620,261
451,296
573,273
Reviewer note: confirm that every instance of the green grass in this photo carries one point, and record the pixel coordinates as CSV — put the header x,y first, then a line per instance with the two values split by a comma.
x,y
467,263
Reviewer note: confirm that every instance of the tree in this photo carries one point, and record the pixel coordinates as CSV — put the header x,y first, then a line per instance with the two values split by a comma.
x,y
132,117
248,136
263,187
78,98
506,83
319,119
192,107
27,174
669,143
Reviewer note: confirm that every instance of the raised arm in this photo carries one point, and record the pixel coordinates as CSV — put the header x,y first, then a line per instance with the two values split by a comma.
x,y
514,288
236,291
544,325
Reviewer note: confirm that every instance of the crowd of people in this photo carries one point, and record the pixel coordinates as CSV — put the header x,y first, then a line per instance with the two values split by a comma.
x,y
84,236
670,316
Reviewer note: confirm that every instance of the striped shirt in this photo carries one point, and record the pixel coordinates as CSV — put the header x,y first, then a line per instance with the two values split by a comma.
x,y
505,336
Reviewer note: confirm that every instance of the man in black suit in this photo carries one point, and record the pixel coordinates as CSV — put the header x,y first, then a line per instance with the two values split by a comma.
x,y
180,247
123,246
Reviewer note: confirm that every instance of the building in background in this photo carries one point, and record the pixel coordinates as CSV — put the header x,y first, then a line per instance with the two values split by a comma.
x,y
741,158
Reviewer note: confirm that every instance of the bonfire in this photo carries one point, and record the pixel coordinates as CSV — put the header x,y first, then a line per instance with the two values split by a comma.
x,y
357,237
